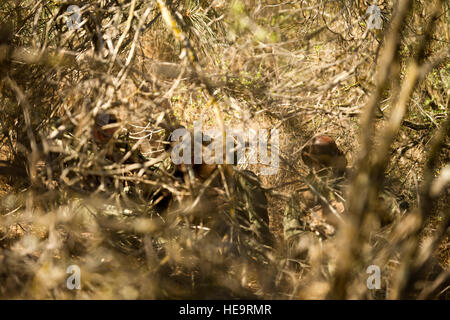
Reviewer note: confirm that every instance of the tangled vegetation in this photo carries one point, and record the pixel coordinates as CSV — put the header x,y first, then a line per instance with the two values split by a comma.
x,y
139,227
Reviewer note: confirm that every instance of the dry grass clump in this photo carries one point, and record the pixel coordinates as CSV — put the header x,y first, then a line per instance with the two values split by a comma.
x,y
118,208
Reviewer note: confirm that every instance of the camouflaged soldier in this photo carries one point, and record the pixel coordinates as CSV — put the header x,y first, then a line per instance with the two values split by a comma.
x,y
253,206
117,145
323,200
247,205
317,210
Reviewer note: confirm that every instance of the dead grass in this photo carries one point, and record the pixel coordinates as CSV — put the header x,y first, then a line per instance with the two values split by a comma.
x,y
303,67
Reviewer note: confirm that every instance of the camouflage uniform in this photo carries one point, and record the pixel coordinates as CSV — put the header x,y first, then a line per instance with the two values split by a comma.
x,y
247,206
252,204
305,221
292,225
